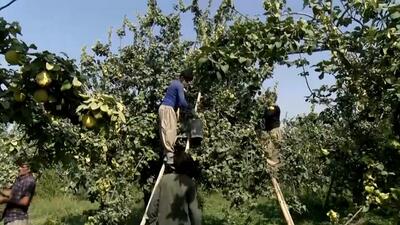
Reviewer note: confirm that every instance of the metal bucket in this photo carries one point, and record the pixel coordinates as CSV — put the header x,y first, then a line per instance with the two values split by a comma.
x,y
196,131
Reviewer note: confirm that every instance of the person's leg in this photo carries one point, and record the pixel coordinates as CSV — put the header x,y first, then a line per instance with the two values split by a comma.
x,y
168,131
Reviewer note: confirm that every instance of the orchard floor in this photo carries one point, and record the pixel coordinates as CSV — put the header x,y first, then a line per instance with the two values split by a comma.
x,y
216,211
66,210
51,206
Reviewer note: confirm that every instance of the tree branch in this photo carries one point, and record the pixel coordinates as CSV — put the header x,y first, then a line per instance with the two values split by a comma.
x,y
304,51
241,14
305,77
343,14
298,14
8,4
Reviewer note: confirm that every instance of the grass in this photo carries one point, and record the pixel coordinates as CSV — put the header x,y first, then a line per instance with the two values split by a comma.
x,y
217,211
53,207
59,209
68,210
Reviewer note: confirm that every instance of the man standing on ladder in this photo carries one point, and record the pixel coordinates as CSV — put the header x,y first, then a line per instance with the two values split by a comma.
x,y
174,98
273,134
271,139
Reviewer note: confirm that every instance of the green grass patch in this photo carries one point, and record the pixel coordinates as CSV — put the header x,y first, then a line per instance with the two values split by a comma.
x,y
52,206
59,210
69,210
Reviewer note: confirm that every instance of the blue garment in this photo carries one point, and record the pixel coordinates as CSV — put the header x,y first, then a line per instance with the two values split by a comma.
x,y
175,96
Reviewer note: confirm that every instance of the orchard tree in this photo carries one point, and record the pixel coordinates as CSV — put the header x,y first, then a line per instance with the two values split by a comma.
x,y
116,95
353,146
48,112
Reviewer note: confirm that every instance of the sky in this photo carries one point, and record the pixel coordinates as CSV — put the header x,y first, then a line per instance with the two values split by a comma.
x,y
69,25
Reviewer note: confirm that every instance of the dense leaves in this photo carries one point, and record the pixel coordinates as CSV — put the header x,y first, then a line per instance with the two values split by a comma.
x,y
348,153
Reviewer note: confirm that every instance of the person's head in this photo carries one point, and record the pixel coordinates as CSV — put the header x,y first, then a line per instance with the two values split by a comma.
x,y
184,163
272,117
186,76
274,112
24,168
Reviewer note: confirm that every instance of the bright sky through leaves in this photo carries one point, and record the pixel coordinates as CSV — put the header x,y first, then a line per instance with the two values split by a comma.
x,y
67,26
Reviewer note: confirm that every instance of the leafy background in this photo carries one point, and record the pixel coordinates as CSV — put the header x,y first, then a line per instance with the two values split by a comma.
x,y
346,157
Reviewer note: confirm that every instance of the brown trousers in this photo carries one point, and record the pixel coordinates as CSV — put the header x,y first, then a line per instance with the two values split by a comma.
x,y
168,127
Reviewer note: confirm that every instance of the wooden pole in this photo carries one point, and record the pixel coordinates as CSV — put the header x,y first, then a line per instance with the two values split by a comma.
x,y
161,173
282,202
354,216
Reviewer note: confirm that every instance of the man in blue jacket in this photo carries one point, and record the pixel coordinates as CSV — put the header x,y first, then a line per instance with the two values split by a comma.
x,y
174,98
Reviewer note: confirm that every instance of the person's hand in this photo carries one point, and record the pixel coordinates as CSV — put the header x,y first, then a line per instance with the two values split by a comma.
x,y
192,113
3,199
188,113
5,192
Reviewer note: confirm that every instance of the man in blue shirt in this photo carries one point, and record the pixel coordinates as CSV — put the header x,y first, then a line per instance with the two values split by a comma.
x,y
174,98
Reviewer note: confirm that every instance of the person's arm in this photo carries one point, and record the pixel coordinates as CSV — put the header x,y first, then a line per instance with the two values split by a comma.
x,y
24,201
4,195
181,97
26,195
152,212
194,209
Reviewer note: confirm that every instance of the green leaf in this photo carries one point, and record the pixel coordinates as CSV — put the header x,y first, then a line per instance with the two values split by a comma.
x,y
107,97
49,57
325,151
120,106
76,82
305,3
5,104
395,15
94,106
114,118
66,86
84,96
81,107
242,59
225,68
122,117
104,108
219,77
203,60
98,115
32,46
49,66
384,51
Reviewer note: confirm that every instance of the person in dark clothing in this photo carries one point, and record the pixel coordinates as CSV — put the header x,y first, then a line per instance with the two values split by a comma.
x,y
273,134
175,199
272,117
22,191
174,98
